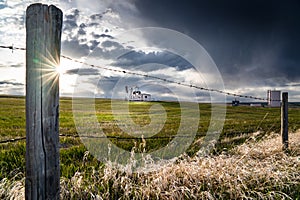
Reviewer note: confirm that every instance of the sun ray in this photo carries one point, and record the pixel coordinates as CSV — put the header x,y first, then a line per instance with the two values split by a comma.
x,y
49,66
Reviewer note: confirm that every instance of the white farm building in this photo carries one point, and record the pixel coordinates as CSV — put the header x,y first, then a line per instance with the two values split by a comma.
x,y
134,94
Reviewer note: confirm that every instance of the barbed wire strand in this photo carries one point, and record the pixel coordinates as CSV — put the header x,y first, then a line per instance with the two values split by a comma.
x,y
168,80
12,48
12,140
113,137
155,77
102,137
136,74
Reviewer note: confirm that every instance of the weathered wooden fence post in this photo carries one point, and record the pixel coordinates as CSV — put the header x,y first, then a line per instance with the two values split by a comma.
x,y
43,40
284,121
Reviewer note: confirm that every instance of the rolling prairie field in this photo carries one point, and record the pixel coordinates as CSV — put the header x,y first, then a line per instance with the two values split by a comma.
x,y
150,99
246,161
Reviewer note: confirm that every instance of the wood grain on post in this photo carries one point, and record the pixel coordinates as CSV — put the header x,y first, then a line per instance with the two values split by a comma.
x,y
43,41
284,121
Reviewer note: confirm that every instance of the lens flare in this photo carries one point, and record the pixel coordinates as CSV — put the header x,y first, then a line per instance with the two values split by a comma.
x,y
50,67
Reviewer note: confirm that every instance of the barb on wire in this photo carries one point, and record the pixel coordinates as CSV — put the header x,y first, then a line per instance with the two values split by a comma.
x,y
166,80
155,77
12,140
12,48
106,137
129,138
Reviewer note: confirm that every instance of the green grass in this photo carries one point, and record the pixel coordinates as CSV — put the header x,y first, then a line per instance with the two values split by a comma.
x,y
12,118
240,124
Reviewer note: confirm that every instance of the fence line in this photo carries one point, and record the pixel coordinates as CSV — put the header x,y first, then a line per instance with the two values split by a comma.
x,y
142,75
103,137
156,77
12,48
13,140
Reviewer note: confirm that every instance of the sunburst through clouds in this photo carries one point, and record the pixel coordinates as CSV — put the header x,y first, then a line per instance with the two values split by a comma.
x,y
50,67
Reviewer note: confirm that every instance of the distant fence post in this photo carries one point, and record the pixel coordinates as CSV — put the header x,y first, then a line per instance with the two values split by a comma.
x,y
284,121
43,40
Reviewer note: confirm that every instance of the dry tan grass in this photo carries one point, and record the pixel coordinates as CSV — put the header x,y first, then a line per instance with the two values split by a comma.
x,y
12,189
254,170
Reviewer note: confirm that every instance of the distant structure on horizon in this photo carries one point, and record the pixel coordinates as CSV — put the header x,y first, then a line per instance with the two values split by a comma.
x,y
274,98
134,94
235,102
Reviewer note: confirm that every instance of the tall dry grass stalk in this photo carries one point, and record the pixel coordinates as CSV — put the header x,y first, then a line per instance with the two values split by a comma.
x,y
13,188
254,170
258,170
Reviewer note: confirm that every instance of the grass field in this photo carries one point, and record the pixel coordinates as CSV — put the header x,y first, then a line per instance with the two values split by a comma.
x,y
83,176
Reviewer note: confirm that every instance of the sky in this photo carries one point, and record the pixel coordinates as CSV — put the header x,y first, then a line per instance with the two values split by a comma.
x,y
242,47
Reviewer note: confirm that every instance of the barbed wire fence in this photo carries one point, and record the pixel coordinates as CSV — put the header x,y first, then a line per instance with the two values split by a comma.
x,y
153,77
13,48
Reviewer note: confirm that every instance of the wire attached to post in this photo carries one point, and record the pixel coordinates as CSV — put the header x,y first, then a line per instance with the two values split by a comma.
x,y
155,77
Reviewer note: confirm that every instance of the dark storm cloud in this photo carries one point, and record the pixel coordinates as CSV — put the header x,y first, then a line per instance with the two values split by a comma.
x,y
81,31
11,83
94,24
96,36
96,17
74,14
134,59
102,50
93,44
295,85
3,5
83,71
70,20
79,44
252,39
107,86
109,43
74,48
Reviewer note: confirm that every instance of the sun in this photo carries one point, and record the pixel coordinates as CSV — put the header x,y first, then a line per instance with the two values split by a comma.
x,y
60,70
56,69
49,66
